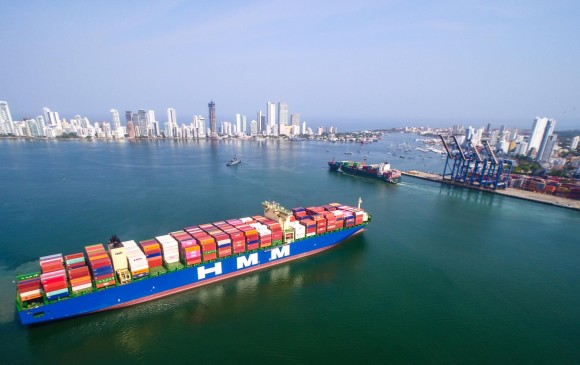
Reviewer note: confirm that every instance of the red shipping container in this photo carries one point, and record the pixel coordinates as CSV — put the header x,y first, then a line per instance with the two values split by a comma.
x,y
225,251
253,246
209,256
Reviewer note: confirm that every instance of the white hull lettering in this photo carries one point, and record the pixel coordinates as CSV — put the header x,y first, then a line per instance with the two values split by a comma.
x,y
202,271
251,260
279,252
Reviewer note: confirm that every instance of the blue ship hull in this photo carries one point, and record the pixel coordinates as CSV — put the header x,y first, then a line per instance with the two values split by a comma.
x,y
183,279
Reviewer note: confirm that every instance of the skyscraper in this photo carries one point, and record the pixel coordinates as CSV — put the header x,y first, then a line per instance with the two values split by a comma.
x,y
259,121
271,116
115,119
212,120
6,123
551,124
574,144
282,115
537,132
548,148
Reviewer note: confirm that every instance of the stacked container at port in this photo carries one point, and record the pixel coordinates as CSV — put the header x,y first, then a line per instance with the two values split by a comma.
x,y
78,273
152,251
29,288
169,250
138,265
100,266
53,277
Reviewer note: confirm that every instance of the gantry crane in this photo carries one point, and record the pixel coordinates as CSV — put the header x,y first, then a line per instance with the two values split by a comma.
x,y
474,165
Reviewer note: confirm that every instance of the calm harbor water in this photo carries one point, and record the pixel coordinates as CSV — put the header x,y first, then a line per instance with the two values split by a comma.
x,y
442,275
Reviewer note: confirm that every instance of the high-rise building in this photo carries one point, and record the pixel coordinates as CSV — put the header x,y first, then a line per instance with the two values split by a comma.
x,y
548,149
259,121
550,125
212,120
115,119
6,122
538,129
295,119
238,124
282,115
253,128
151,127
128,116
574,144
271,116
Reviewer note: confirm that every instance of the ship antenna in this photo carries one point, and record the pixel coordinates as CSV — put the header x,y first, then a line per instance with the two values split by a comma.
x,y
359,202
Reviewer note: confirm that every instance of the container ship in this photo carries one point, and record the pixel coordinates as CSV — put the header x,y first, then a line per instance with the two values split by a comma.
x,y
381,171
124,273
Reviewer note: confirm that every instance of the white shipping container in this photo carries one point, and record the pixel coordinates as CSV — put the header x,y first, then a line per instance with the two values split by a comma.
x,y
81,287
36,291
365,217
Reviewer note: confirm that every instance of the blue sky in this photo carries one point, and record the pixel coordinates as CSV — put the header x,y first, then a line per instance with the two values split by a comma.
x,y
372,63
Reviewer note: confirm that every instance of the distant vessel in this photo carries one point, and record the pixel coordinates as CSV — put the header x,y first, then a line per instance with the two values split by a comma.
x,y
234,161
381,171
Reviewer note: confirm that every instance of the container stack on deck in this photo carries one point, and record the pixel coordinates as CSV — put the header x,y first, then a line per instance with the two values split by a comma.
x,y
169,250
78,273
29,288
100,265
138,265
53,277
191,246
152,251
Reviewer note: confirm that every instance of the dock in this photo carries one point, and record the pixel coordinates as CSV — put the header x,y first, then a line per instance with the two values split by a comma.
x,y
511,192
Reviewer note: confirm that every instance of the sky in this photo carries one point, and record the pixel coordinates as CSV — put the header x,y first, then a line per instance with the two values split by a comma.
x,y
349,63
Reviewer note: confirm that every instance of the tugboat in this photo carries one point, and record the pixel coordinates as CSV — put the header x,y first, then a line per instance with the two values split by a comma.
x,y
234,161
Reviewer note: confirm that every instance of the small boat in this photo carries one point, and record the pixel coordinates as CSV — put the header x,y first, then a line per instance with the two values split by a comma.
x,y
234,161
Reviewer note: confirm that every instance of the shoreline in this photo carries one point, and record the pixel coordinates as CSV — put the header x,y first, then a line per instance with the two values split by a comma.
x,y
510,192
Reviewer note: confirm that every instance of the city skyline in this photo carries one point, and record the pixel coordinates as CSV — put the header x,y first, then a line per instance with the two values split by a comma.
x,y
375,63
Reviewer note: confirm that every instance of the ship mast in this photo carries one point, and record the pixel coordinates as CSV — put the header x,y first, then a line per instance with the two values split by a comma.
x,y
359,202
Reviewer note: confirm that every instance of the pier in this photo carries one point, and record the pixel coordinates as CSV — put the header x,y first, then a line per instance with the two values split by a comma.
x,y
511,192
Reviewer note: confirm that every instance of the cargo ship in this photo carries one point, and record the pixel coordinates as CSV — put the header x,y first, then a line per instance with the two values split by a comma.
x,y
381,171
124,273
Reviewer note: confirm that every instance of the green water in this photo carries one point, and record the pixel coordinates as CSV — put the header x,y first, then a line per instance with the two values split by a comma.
x,y
442,275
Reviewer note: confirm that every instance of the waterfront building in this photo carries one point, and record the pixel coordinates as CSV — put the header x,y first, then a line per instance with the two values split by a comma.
x,y
282,116
259,120
115,118
238,124
295,119
253,128
271,116
6,122
131,128
198,126
212,120
152,125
